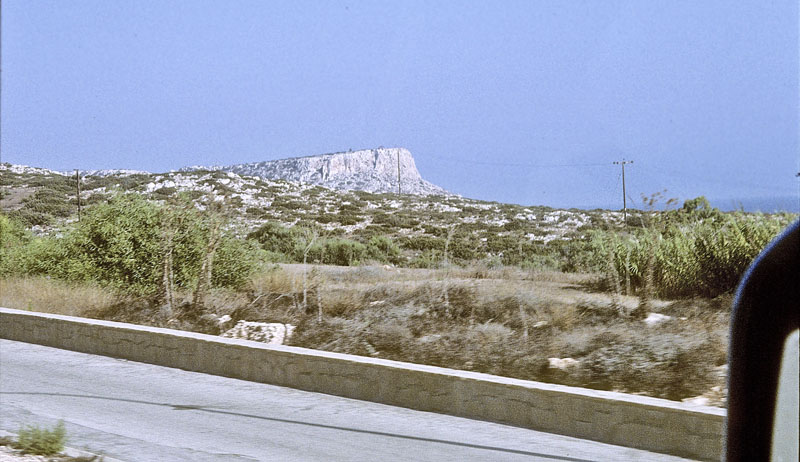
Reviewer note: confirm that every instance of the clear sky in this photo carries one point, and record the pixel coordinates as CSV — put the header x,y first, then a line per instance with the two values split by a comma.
x,y
527,102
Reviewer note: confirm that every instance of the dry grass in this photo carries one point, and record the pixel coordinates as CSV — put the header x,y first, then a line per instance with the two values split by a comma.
x,y
54,296
506,322
276,280
404,315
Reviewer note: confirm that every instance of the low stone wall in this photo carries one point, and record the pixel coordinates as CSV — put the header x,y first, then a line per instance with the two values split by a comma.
x,y
616,418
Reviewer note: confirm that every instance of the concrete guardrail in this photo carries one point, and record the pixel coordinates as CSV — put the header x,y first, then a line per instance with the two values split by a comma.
x,y
616,418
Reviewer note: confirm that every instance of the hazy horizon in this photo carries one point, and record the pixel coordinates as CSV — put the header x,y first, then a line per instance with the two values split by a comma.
x,y
767,204
519,102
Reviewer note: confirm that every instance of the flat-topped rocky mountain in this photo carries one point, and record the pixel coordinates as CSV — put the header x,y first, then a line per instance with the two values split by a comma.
x,y
46,201
370,170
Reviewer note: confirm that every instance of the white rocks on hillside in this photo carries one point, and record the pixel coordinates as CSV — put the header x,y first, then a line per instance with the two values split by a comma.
x,y
25,170
112,172
371,170
272,333
562,363
654,319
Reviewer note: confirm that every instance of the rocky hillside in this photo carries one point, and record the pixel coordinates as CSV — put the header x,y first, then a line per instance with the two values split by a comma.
x,y
370,170
45,200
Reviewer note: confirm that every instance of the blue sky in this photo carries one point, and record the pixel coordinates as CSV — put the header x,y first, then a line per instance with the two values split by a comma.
x,y
527,102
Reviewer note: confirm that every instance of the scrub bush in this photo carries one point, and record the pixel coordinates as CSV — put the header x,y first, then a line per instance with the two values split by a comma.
x,y
343,252
41,441
122,244
274,238
695,251
13,236
383,249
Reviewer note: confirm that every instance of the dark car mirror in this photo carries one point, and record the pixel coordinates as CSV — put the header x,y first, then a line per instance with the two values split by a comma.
x,y
763,415
785,435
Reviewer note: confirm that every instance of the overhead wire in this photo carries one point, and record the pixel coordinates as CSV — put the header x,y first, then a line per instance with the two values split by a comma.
x,y
610,190
516,164
689,176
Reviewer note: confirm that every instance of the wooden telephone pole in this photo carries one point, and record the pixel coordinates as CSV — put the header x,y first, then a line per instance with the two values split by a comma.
x,y
624,195
78,186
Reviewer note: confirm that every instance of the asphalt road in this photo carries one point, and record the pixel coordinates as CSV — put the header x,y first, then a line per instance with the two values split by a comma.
x,y
140,412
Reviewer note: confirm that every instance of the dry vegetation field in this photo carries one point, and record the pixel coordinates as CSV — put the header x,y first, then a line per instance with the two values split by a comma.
x,y
574,297
547,326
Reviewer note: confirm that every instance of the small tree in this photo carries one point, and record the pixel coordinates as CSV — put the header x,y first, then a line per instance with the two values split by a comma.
x,y
215,219
450,232
116,243
174,218
308,238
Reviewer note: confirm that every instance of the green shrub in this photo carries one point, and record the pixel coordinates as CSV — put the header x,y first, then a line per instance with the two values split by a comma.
x,y
31,217
382,249
428,259
42,207
95,198
234,262
422,243
282,202
164,192
466,247
343,252
350,208
368,196
13,237
255,212
394,220
516,225
694,251
324,218
60,183
349,220
12,233
274,237
122,244
435,231
41,441
135,182
116,243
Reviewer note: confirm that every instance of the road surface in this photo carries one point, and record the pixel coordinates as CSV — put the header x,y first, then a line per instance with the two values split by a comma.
x,y
140,412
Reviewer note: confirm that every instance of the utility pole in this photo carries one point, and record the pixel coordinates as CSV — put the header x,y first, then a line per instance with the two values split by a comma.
x,y
398,172
78,185
624,195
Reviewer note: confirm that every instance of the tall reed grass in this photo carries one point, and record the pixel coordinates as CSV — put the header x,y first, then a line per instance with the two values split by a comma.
x,y
700,258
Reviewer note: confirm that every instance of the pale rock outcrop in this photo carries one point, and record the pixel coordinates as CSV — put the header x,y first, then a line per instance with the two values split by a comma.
x,y
562,363
654,319
273,333
371,170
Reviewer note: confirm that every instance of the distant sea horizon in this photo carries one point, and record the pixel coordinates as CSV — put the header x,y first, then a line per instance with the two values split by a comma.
x,y
773,204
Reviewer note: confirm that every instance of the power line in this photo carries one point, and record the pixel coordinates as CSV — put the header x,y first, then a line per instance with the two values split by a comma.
x,y
632,200
514,164
693,178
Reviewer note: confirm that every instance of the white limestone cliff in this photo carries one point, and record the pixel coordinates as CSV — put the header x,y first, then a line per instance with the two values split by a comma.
x,y
372,170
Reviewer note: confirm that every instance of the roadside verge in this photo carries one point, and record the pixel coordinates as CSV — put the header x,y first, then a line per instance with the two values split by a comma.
x,y
68,451
615,418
